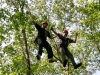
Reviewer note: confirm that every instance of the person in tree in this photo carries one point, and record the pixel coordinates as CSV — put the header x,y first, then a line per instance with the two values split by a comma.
x,y
41,39
63,48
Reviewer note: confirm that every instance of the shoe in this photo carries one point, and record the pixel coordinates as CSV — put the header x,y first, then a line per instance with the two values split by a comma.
x,y
52,60
38,57
77,65
64,63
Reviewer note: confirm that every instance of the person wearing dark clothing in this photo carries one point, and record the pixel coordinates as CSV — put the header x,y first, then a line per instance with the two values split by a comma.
x,y
64,42
41,39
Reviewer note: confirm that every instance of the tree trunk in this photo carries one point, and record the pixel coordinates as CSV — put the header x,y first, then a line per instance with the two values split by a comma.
x,y
26,54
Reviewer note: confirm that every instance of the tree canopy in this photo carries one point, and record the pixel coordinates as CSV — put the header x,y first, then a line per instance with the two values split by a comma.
x,y
17,34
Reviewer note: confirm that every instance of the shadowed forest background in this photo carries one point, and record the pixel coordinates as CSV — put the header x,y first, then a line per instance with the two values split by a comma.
x,y
17,34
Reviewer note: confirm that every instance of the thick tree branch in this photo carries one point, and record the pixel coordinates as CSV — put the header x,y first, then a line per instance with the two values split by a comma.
x,y
26,53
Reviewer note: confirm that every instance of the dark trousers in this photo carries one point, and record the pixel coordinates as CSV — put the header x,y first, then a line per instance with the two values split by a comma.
x,y
46,45
65,52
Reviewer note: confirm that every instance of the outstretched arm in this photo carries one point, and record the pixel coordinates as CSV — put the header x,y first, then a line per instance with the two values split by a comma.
x,y
74,41
53,37
54,31
32,18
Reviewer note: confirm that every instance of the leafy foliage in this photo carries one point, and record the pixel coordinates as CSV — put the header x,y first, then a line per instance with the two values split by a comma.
x,y
61,14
